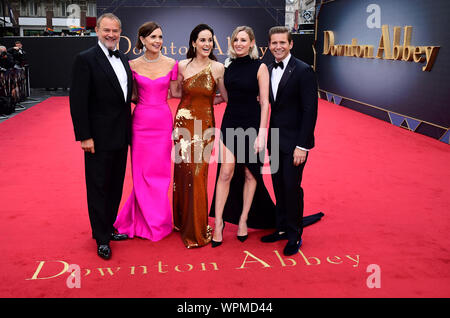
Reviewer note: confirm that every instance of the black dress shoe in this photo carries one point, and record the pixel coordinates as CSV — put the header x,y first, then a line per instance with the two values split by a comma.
x,y
274,237
118,237
104,251
292,247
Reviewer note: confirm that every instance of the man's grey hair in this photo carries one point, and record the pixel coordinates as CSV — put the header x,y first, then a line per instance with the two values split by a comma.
x,y
111,16
2,48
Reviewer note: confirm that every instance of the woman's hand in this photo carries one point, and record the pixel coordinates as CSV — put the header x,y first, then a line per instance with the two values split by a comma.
x,y
259,143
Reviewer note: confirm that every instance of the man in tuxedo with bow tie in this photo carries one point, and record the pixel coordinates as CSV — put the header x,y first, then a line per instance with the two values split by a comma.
x,y
100,105
293,99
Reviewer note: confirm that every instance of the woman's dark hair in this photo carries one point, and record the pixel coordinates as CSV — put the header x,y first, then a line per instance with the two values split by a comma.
x,y
145,30
194,36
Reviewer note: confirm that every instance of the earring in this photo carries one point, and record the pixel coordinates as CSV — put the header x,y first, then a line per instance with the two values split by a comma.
x,y
195,49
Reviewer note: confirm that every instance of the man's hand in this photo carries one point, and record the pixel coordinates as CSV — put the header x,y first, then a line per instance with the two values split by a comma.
x,y
88,145
299,156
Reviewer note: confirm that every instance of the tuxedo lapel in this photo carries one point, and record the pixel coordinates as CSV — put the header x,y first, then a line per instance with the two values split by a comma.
x,y
285,78
129,75
108,69
270,83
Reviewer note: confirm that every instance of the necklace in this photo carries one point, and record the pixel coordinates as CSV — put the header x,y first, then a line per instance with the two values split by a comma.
x,y
151,61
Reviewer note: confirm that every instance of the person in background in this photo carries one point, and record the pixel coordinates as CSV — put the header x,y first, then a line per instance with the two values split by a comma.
x,y
18,54
6,59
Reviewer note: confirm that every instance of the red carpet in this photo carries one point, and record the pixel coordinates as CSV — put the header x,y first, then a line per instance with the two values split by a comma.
x,y
385,192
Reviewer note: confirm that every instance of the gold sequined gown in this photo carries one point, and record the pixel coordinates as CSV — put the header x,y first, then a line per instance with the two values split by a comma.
x,y
194,124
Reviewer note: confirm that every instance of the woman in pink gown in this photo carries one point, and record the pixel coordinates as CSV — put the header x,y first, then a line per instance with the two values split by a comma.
x,y
147,212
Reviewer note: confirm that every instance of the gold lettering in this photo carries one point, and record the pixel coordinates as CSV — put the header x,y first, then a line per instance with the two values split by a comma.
x,y
333,262
333,50
144,269
368,51
213,264
408,53
172,48
398,49
360,51
164,50
355,260
263,50
39,268
348,50
128,41
218,46
405,52
385,45
418,52
354,47
182,50
136,51
108,269
160,267
431,54
254,257
328,42
293,262
317,261
406,42
177,268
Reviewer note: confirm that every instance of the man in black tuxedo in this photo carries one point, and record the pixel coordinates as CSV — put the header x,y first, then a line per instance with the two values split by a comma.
x,y
100,105
293,99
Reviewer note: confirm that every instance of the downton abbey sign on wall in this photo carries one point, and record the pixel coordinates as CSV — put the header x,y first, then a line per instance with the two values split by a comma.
x,y
387,59
397,51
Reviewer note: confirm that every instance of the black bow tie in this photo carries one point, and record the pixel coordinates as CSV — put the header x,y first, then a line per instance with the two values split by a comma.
x,y
115,53
280,64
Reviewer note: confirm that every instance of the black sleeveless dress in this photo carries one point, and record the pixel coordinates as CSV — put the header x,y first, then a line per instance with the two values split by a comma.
x,y
240,125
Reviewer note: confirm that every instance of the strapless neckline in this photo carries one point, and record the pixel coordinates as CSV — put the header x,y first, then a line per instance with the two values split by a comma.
x,y
157,77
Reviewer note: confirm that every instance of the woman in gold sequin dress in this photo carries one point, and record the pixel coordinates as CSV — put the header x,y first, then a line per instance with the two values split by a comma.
x,y
200,75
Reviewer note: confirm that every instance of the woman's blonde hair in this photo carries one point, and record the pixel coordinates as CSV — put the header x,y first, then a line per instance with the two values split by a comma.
x,y
253,53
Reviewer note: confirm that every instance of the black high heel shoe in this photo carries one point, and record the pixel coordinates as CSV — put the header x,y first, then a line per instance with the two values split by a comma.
x,y
242,238
215,243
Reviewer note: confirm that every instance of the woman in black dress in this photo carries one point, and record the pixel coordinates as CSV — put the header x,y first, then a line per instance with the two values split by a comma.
x,y
239,177
240,196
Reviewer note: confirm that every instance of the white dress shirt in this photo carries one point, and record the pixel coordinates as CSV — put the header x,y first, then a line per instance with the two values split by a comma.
x,y
277,74
119,69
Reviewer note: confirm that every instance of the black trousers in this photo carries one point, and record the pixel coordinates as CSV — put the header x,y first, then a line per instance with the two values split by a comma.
x,y
289,196
105,174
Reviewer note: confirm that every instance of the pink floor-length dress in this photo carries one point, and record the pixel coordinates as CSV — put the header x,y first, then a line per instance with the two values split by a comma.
x,y
147,212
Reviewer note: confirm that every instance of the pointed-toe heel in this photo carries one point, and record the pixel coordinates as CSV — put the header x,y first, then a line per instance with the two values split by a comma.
x,y
215,243
242,238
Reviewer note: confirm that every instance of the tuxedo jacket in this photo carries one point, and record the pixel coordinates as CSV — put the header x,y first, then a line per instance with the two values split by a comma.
x,y
294,110
97,104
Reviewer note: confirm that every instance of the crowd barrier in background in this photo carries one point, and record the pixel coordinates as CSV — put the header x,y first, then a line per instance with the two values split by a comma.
x,y
14,88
